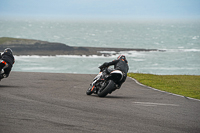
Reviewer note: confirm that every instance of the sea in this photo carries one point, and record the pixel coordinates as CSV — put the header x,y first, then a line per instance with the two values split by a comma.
x,y
177,41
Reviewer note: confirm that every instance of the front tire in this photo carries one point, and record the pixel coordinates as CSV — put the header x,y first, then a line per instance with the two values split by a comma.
x,y
89,92
107,89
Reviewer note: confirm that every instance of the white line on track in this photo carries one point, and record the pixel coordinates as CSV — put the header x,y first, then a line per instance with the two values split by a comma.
x,y
153,104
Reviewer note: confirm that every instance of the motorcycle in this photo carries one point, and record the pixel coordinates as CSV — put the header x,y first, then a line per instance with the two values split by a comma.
x,y
2,70
105,82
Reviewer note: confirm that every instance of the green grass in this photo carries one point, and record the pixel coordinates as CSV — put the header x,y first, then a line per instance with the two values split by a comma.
x,y
8,39
5,39
185,85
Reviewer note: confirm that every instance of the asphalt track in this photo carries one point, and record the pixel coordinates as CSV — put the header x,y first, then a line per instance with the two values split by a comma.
x,y
57,103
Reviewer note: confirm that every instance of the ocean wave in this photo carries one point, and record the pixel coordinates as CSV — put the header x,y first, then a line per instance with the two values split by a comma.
x,y
32,56
111,54
181,50
85,56
191,50
108,52
27,57
64,56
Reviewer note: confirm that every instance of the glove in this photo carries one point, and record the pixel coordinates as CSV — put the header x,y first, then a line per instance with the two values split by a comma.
x,y
102,67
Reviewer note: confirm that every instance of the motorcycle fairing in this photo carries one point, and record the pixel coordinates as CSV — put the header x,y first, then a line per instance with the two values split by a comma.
x,y
117,72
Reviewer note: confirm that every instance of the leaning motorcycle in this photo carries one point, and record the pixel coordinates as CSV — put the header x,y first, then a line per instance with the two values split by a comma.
x,y
105,82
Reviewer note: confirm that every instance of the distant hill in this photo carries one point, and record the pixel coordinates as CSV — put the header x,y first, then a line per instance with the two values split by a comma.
x,y
37,47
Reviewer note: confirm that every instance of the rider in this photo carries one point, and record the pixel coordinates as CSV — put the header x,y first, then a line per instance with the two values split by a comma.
x,y
6,62
120,64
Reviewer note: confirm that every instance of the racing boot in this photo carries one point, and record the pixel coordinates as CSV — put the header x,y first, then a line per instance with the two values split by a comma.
x,y
2,76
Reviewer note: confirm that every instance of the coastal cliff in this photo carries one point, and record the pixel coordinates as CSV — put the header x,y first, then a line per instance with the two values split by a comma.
x,y
37,47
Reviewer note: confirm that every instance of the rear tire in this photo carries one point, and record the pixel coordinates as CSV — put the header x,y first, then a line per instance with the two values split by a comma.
x,y
107,89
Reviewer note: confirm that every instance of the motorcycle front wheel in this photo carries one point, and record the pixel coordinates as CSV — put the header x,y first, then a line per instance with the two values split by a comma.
x,y
89,92
107,88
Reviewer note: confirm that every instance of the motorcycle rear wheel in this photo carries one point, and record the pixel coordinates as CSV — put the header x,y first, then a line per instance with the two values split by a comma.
x,y
106,89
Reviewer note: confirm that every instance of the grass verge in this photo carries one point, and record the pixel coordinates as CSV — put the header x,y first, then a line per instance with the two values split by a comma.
x,y
185,85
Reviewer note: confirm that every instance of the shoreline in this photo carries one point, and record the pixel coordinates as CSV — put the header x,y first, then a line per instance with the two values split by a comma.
x,y
44,48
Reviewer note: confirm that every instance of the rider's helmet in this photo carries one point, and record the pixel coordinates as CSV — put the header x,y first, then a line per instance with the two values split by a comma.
x,y
8,50
122,57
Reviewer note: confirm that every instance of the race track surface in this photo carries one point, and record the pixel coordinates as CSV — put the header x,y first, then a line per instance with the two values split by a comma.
x,y
57,103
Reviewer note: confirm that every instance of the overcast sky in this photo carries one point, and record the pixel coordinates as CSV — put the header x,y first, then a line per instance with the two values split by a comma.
x,y
129,9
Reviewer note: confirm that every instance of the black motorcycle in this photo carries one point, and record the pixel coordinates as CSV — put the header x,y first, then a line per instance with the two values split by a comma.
x,y
105,82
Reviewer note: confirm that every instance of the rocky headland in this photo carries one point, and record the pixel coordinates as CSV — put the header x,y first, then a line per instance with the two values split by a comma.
x,y
37,47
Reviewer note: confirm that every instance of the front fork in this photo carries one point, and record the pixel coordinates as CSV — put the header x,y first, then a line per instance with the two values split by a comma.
x,y
99,76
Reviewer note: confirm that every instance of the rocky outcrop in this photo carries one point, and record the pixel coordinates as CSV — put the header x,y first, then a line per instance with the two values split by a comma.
x,y
37,47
